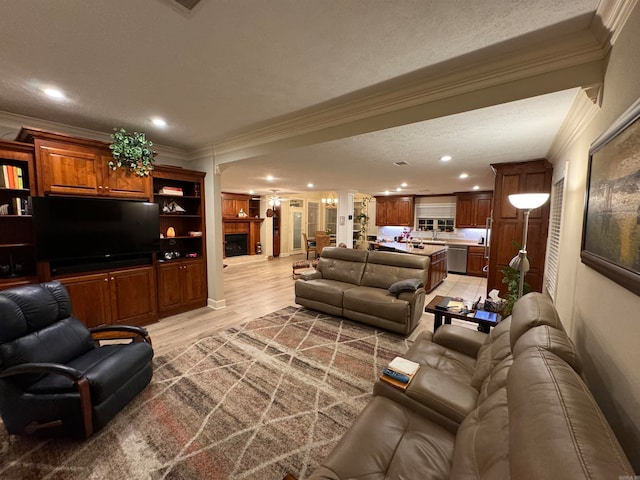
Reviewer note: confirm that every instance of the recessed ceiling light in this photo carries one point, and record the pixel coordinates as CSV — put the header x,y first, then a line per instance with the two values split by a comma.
x,y
445,158
476,187
158,122
251,192
403,184
386,192
398,189
310,185
463,175
53,93
270,178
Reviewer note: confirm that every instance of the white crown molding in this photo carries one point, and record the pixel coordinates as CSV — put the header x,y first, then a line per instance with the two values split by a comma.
x,y
474,72
11,123
609,19
584,107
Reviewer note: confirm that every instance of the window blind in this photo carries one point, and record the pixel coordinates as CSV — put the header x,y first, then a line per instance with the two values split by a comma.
x,y
553,247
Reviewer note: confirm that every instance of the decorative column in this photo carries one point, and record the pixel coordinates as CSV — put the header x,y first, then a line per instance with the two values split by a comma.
x,y
344,225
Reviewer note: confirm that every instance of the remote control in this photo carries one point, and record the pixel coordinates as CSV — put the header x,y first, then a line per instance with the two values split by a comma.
x,y
401,377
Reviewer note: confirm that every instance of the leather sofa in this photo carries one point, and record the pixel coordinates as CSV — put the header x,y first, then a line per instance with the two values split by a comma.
x,y
507,405
355,284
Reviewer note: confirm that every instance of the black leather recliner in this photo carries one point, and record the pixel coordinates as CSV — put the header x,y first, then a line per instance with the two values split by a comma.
x,y
53,371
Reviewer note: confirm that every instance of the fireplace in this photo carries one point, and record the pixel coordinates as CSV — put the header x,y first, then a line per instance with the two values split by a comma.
x,y
235,244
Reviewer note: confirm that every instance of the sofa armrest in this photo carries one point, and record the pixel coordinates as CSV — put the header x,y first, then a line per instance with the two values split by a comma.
x,y
310,275
460,339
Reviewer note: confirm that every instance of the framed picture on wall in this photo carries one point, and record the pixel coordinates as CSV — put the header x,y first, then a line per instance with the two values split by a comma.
x,y
611,229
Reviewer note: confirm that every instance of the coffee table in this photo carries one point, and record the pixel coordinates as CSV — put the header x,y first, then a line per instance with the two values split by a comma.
x,y
445,316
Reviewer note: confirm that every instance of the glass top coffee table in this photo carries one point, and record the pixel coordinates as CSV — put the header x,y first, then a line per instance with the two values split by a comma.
x,y
444,314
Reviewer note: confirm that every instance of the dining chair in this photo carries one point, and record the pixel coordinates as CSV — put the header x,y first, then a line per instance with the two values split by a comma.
x,y
322,240
309,246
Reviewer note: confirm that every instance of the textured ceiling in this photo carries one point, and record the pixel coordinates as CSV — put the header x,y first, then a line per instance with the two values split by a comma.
x,y
231,66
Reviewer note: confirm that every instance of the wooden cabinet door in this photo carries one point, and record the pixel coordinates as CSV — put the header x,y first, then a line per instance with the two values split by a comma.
x,y
405,212
194,282
71,171
381,212
464,212
482,210
133,296
169,286
228,208
476,262
90,299
122,183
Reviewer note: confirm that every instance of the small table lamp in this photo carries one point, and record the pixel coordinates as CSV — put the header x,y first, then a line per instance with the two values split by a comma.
x,y
526,202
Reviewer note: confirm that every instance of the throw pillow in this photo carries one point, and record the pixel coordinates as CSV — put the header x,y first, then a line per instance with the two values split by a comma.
x,y
406,285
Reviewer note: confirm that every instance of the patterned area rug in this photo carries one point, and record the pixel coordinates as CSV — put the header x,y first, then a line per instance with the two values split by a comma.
x,y
254,402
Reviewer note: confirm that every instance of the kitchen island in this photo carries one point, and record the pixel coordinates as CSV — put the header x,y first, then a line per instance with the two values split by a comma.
x,y
437,253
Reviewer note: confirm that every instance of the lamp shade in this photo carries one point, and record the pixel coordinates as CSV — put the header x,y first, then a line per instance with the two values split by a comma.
x,y
528,201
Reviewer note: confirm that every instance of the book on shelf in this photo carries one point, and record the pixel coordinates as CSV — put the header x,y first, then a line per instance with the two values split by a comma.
x,y
19,206
171,191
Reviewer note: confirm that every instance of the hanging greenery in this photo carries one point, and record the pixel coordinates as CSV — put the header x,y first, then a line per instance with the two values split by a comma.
x,y
132,151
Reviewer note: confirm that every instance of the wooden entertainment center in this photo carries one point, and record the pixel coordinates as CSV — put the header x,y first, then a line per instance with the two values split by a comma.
x,y
138,291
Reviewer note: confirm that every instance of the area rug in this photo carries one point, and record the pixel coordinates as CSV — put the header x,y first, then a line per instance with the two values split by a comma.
x,y
254,402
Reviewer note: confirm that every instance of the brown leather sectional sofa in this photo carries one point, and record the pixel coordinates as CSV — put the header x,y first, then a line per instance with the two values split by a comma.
x,y
355,284
507,405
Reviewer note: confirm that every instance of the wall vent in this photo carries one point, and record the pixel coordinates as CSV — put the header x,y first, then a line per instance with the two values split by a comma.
x,y
401,163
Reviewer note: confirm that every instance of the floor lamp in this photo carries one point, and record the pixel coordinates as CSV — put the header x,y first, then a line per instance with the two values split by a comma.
x,y
526,202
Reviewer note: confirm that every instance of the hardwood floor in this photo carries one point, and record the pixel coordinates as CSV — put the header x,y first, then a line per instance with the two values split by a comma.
x,y
257,288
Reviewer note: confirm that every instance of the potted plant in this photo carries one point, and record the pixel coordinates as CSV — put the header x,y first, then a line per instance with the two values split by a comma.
x,y
132,151
511,276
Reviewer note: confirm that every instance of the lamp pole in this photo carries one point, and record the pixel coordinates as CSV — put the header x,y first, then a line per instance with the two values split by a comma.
x,y
523,253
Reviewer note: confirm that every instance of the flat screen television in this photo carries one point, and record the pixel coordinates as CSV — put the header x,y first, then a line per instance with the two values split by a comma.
x,y
72,228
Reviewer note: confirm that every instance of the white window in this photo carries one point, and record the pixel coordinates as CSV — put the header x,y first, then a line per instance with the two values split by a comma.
x,y
553,246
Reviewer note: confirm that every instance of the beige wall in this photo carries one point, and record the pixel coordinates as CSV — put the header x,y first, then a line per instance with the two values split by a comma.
x,y
602,317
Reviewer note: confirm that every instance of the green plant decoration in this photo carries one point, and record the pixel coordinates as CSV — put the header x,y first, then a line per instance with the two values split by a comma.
x,y
132,151
363,219
511,276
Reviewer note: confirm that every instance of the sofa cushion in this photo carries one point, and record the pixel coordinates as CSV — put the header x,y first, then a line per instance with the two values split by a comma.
x,y
385,268
323,290
556,429
406,285
378,302
530,311
496,379
496,348
342,264
551,339
107,368
482,443
456,364
389,442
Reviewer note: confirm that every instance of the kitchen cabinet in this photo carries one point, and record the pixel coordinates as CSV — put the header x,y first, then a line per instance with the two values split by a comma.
x,y
473,209
437,270
181,286
508,222
124,296
76,166
394,211
476,261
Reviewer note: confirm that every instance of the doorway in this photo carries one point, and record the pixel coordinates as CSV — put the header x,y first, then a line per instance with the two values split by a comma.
x,y
295,217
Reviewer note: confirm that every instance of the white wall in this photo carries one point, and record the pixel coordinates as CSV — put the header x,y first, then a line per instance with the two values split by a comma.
x,y
602,317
